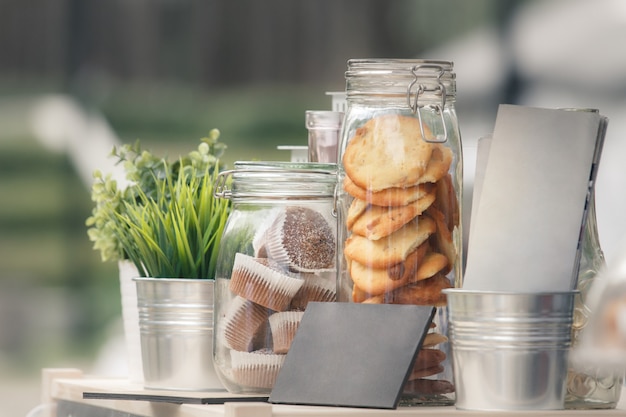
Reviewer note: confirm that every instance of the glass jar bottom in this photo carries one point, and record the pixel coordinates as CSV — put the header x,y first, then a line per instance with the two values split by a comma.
x,y
588,392
586,404
437,400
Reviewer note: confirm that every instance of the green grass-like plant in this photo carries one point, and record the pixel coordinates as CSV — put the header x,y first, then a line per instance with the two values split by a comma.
x,y
167,220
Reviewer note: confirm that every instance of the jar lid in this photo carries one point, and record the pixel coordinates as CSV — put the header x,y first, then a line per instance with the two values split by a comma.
x,y
277,180
289,166
401,67
399,77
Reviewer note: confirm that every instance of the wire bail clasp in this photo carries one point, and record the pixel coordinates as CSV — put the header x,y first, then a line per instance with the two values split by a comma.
x,y
413,100
220,187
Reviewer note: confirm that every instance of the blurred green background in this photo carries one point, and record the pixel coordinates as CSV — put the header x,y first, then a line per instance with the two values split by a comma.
x,y
164,72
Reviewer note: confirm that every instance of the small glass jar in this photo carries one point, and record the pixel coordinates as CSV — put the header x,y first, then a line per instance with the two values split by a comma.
x,y
277,253
324,127
399,202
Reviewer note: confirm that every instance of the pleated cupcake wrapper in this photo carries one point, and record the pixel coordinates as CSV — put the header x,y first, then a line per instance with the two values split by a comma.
x,y
315,288
256,369
242,322
259,239
262,284
274,242
277,251
284,326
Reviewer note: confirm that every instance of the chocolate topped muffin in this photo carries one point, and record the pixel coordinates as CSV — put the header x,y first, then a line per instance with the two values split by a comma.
x,y
301,239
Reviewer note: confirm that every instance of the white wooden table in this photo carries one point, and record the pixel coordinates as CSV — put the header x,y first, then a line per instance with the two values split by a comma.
x,y
63,389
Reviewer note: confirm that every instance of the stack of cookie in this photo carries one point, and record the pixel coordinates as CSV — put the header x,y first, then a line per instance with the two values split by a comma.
x,y
404,210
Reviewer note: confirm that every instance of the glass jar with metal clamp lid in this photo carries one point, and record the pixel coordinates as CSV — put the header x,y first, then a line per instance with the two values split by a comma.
x,y
277,254
399,202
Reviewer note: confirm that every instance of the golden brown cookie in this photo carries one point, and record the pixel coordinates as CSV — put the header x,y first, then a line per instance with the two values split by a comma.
x,y
358,295
376,299
422,373
441,241
373,281
432,263
422,386
438,165
392,196
393,249
410,264
446,201
427,358
433,339
425,292
376,222
357,207
387,151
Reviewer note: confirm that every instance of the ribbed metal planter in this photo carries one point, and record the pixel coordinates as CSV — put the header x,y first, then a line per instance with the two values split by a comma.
x,y
176,328
510,350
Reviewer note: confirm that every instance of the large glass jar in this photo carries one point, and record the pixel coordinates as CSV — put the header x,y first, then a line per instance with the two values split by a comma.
x,y
399,202
590,386
277,253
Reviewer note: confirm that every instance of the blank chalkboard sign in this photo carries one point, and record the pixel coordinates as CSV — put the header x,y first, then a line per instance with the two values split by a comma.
x,y
352,355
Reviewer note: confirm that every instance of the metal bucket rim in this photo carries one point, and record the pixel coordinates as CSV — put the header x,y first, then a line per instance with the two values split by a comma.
x,y
189,280
462,291
512,317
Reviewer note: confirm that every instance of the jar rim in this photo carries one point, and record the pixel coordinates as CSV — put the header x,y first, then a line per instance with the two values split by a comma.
x,y
268,166
277,180
428,68
400,61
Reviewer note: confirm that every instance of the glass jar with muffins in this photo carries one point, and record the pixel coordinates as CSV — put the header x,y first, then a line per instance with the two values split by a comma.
x,y
277,254
399,202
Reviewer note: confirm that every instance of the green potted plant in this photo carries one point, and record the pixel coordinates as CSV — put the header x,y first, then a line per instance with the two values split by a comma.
x,y
167,222
135,221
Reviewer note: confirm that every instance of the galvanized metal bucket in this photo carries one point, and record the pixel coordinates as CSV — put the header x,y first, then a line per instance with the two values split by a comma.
x,y
510,350
130,317
176,328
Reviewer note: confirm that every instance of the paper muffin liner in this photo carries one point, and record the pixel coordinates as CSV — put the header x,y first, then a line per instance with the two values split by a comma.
x,y
257,369
284,325
316,287
302,240
256,279
242,323
258,241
